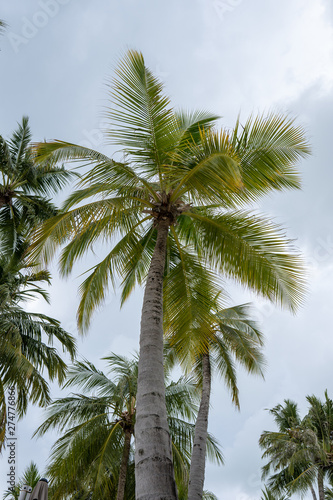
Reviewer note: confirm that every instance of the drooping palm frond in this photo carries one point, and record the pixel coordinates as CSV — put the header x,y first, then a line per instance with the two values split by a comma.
x,y
191,296
268,494
252,250
269,147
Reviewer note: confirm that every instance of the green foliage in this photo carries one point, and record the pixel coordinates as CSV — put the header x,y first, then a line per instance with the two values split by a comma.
x,y
180,171
205,177
25,187
26,342
268,494
300,453
88,454
30,477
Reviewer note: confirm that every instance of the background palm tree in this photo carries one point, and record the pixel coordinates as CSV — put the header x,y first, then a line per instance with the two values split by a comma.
x,y
178,194
218,342
25,187
26,339
204,336
95,454
24,191
301,453
235,338
30,477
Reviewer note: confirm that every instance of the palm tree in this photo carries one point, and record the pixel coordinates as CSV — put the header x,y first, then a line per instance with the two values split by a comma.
x,y
24,353
23,190
95,454
30,477
236,337
233,337
301,453
178,194
25,187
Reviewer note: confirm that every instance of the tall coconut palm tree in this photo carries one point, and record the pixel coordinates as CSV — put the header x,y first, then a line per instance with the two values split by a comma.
x,y
26,338
95,453
179,192
25,187
301,453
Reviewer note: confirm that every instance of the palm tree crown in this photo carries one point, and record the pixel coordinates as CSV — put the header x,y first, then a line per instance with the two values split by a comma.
x,y
180,170
25,186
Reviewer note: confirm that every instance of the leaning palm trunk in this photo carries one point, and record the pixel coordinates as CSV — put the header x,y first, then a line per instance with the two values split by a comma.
x,y
154,475
124,465
197,469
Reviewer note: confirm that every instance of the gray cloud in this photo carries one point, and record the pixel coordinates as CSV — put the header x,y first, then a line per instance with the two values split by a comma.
x,y
221,55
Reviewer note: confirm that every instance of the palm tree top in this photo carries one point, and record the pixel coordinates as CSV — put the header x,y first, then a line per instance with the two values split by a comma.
x,y
25,187
179,170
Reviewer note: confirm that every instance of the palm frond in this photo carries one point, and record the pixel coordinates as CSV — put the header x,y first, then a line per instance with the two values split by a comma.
x,y
269,148
252,250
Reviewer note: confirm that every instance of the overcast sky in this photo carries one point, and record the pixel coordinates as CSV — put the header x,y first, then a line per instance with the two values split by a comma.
x,y
226,56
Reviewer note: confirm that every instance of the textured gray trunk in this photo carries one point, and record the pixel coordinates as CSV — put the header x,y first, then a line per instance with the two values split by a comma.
x,y
321,492
154,475
123,466
313,492
198,459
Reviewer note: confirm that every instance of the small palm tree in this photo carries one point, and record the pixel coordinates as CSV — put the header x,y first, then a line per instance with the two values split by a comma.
x,y
30,477
95,454
301,452
178,194
232,338
25,187
26,339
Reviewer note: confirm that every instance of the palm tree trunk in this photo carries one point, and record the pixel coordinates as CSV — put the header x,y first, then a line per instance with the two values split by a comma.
x,y
321,492
154,475
314,496
123,466
198,459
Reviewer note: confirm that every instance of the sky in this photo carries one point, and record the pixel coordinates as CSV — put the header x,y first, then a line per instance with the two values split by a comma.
x,y
228,57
